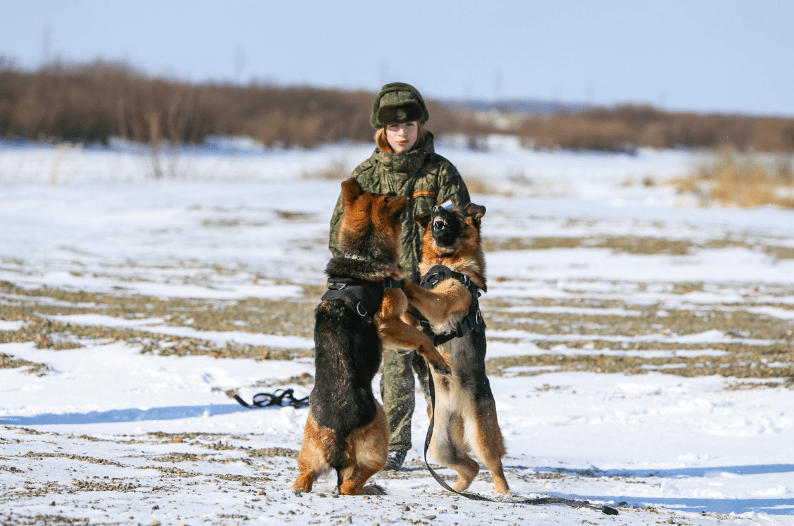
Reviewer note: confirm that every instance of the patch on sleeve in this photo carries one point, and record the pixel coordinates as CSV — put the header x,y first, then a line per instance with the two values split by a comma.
x,y
423,193
447,204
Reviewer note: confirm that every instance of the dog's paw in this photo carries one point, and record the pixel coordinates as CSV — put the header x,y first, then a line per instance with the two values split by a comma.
x,y
397,272
373,489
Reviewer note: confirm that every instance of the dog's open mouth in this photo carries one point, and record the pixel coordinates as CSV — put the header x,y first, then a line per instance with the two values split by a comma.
x,y
445,229
439,224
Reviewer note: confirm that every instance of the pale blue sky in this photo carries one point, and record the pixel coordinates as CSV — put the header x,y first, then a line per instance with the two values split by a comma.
x,y
695,55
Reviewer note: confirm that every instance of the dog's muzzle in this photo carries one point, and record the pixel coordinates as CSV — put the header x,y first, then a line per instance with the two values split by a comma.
x,y
439,224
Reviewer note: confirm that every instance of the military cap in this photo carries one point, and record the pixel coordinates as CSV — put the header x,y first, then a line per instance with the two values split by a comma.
x,y
397,103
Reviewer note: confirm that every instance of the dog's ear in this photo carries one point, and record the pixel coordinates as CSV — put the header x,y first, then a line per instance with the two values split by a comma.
x,y
423,220
351,190
474,211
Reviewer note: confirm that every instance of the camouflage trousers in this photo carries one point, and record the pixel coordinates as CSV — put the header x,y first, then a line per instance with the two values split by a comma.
x,y
397,390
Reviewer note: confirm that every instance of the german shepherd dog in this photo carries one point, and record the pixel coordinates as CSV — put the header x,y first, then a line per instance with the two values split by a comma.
x,y
453,267
346,429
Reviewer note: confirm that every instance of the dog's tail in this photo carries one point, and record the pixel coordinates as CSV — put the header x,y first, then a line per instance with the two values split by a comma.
x,y
337,456
338,480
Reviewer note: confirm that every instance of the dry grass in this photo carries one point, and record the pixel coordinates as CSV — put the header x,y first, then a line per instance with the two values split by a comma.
x,y
743,180
477,184
334,171
624,128
92,102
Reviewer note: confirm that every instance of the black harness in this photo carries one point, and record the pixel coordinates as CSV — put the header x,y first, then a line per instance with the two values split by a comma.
x,y
473,320
363,296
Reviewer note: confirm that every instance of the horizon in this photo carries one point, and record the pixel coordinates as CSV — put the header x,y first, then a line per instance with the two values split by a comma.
x,y
707,57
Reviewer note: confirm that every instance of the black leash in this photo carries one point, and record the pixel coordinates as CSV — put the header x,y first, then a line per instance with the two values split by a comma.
x,y
608,510
267,399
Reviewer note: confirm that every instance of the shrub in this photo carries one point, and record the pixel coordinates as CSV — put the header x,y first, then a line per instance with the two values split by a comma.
x,y
743,180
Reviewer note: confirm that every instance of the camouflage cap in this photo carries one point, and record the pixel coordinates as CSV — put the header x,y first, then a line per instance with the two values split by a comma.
x,y
397,103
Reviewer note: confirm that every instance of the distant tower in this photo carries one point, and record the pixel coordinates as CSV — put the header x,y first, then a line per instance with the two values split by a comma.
x,y
497,84
239,63
384,72
45,46
663,100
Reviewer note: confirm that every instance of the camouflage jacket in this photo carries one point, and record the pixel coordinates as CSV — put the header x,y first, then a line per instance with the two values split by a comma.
x,y
427,178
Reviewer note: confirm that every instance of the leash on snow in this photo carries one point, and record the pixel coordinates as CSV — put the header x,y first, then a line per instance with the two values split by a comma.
x,y
267,399
608,510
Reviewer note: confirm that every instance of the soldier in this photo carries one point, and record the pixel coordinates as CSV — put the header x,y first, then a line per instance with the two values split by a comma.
x,y
404,162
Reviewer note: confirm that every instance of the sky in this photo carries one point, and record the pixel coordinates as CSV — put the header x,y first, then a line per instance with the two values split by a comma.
x,y
726,56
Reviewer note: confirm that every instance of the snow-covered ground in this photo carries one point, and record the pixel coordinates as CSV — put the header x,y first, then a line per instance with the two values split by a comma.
x,y
114,435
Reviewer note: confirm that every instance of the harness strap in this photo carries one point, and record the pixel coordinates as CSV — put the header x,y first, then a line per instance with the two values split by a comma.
x,y
473,320
363,296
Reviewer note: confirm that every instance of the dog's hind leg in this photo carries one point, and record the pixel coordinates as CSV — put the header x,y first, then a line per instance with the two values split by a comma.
x,y
311,461
368,450
354,483
305,481
488,444
448,447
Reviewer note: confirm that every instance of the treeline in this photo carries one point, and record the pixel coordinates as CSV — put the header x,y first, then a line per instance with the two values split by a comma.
x,y
91,103
627,127
95,102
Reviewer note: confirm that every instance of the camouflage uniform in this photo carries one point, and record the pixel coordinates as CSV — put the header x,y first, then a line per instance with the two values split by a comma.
x,y
428,179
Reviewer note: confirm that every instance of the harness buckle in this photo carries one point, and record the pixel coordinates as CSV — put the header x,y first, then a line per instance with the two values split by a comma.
x,y
360,307
391,283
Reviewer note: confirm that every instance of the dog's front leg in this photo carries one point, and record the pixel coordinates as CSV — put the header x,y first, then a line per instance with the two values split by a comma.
x,y
395,333
448,299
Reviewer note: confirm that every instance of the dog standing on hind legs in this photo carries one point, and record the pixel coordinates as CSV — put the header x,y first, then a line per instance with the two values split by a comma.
x,y
453,269
361,313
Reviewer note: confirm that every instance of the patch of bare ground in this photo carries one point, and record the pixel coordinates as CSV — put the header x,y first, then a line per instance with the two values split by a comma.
x,y
33,306
9,362
584,332
636,245
591,337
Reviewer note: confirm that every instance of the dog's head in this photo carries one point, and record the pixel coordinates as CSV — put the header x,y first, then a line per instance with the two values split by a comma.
x,y
450,232
371,223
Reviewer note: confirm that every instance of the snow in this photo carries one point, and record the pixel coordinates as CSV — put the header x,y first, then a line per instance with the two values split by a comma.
x,y
235,220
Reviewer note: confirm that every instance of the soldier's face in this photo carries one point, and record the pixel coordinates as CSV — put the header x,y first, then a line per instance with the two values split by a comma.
x,y
402,137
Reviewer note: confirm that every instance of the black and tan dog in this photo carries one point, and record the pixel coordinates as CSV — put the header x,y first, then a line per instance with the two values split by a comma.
x,y
361,314
453,268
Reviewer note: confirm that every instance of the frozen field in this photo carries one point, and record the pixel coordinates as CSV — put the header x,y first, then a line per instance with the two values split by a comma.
x,y
640,348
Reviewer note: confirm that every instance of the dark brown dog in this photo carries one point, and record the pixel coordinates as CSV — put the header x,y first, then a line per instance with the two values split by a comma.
x,y
453,267
360,314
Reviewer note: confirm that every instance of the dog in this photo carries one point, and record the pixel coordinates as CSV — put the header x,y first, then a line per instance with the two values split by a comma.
x,y
361,313
453,269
